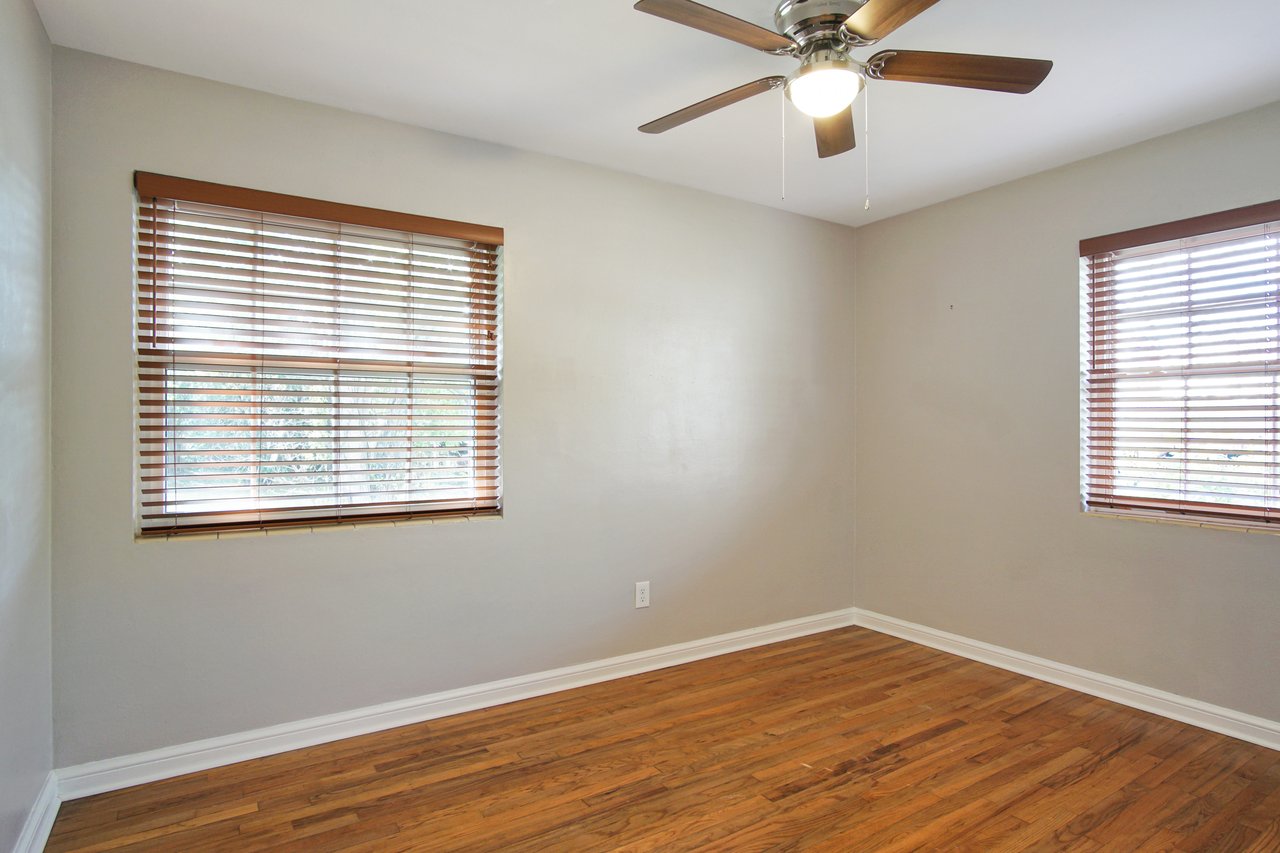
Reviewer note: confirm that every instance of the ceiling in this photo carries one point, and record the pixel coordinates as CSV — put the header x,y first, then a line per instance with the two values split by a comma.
x,y
574,78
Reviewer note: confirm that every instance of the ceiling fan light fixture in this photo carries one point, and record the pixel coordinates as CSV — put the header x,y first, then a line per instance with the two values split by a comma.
x,y
825,84
821,34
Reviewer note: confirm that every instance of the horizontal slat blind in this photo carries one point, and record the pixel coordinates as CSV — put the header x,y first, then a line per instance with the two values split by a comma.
x,y
1182,375
293,370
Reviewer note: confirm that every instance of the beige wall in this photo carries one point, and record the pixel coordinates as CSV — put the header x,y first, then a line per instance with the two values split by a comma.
x,y
25,739
968,515
678,402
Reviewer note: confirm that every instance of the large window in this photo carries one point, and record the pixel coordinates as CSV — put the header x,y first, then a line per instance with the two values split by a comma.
x,y
304,362
1181,380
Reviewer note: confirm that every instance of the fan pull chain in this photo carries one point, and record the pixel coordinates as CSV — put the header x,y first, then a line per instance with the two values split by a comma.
x,y
866,144
783,101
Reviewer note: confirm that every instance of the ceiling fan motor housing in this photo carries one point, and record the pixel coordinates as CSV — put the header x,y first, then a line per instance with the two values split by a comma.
x,y
814,23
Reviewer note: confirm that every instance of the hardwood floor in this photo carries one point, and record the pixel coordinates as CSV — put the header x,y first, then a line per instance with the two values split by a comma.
x,y
844,741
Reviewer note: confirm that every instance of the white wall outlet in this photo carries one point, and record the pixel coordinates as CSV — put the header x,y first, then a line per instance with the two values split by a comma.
x,y
642,593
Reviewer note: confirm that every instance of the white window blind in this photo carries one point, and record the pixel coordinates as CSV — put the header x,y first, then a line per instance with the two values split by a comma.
x,y
1182,369
300,362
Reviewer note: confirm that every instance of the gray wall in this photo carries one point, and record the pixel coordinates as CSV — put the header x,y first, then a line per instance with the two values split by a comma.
x,y
968,432
679,408
678,402
25,739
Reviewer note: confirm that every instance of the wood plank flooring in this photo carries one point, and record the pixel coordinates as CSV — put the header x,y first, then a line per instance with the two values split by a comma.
x,y
845,741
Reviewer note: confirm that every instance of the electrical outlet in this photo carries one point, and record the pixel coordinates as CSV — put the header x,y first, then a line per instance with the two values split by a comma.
x,y
642,593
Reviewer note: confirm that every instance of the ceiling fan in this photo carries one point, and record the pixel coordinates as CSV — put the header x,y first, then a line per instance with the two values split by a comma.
x,y
822,34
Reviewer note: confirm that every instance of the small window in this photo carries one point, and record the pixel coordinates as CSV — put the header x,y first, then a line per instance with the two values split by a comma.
x,y
304,362
1181,369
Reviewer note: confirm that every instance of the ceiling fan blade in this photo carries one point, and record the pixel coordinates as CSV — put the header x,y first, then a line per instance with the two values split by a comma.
x,y
835,133
878,18
710,105
968,70
718,24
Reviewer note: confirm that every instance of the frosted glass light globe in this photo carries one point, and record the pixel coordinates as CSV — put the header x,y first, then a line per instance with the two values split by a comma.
x,y
822,89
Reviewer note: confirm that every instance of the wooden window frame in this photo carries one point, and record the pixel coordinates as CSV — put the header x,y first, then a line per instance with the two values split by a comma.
x,y
153,187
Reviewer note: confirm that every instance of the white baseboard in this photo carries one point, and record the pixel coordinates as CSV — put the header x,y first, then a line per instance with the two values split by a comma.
x,y
112,774
35,832
115,773
1215,718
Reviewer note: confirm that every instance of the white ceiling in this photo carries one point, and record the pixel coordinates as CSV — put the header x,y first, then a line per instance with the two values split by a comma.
x,y
574,78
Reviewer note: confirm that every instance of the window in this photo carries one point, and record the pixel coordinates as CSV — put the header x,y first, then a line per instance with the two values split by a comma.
x,y
303,362
1181,369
